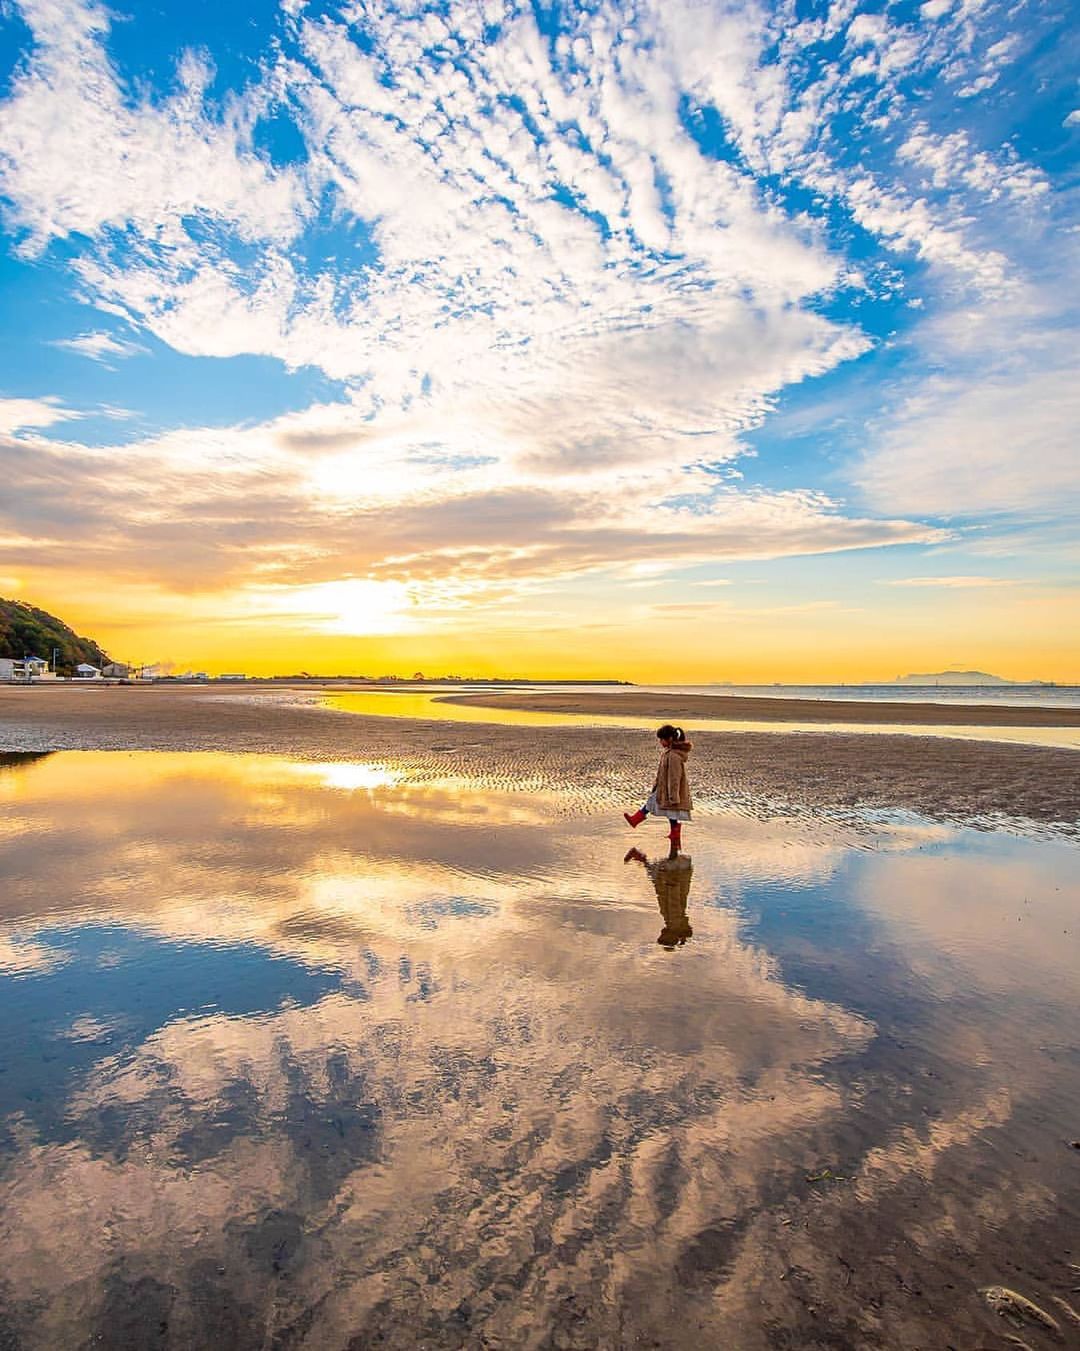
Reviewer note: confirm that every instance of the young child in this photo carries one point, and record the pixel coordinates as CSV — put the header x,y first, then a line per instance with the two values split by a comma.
x,y
670,794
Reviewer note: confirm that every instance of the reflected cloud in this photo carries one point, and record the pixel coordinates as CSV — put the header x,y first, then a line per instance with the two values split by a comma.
x,y
20,956
1009,915
341,1053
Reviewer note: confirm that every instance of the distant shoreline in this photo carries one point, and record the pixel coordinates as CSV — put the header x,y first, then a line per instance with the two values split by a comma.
x,y
601,699
764,708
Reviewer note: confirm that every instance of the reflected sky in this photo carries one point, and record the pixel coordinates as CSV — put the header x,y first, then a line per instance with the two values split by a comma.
x,y
309,1054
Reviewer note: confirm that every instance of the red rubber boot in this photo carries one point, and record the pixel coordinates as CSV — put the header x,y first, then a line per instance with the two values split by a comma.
x,y
636,819
675,834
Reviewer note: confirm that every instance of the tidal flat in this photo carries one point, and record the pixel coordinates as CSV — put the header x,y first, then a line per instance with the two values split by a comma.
x,y
351,1050
593,765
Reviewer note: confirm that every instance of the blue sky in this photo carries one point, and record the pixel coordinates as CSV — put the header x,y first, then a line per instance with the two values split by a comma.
x,y
491,309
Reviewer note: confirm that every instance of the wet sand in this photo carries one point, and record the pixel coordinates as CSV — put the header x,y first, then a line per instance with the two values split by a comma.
x,y
667,707
303,1054
987,784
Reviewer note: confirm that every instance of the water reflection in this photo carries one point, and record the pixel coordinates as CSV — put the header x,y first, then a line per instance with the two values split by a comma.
x,y
310,1054
671,877
438,705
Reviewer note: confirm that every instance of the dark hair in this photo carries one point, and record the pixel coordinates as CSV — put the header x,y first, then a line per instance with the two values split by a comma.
x,y
669,733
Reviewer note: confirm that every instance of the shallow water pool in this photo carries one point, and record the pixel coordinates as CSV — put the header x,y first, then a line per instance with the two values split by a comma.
x,y
438,706
307,1054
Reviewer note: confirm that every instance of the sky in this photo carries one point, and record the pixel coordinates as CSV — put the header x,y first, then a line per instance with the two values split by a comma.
x,y
664,340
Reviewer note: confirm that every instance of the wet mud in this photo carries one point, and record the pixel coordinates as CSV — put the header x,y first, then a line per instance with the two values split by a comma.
x,y
987,784
342,1052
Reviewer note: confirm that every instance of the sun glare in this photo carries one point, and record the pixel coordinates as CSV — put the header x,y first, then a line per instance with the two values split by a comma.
x,y
349,776
356,606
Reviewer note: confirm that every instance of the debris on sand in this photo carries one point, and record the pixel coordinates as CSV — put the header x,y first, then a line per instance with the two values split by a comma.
x,y
1018,1309
826,1175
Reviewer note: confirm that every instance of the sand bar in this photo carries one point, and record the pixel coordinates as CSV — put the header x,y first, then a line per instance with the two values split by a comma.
x,y
669,707
596,769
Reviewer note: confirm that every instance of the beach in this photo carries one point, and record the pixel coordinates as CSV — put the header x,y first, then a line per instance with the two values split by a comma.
x,y
927,712
389,1042
985,783
372,1030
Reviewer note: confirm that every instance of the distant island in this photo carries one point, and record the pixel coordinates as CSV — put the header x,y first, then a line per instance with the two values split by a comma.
x,y
962,678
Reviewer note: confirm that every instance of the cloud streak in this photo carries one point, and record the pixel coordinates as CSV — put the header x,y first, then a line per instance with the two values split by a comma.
x,y
98,346
226,510
950,583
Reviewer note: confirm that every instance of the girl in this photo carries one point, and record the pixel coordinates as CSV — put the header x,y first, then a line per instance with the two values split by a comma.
x,y
670,795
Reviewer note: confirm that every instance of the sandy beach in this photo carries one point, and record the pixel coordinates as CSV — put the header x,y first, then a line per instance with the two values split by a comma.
x,y
983,783
922,713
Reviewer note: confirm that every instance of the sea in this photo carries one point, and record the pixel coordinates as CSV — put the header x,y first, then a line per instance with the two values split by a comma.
x,y
1036,694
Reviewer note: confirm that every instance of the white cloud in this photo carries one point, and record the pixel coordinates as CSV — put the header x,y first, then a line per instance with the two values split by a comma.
x,y
20,414
950,583
999,443
496,320
466,196
914,226
953,163
77,154
935,9
995,58
99,346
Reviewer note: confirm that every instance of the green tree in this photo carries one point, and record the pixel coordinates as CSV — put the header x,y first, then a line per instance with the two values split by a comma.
x,y
26,631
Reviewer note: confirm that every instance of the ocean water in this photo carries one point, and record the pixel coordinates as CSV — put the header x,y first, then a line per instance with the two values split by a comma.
x,y
308,1054
1039,696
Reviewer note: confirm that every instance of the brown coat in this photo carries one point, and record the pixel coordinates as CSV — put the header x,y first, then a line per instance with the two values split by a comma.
x,y
672,787
671,878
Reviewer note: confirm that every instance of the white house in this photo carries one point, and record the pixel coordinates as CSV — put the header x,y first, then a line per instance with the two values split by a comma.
x,y
23,668
84,671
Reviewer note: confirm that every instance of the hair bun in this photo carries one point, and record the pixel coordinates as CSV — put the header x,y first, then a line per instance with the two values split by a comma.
x,y
671,733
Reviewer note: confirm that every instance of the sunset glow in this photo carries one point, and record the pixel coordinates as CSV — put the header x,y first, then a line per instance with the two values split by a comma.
x,y
666,341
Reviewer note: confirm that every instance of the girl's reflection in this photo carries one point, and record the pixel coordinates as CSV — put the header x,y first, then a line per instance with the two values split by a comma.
x,y
671,879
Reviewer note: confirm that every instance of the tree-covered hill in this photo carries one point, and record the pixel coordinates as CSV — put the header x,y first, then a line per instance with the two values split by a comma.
x,y
26,631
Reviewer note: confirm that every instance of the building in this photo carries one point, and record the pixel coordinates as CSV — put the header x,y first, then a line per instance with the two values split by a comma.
x,y
116,670
232,676
23,668
84,671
